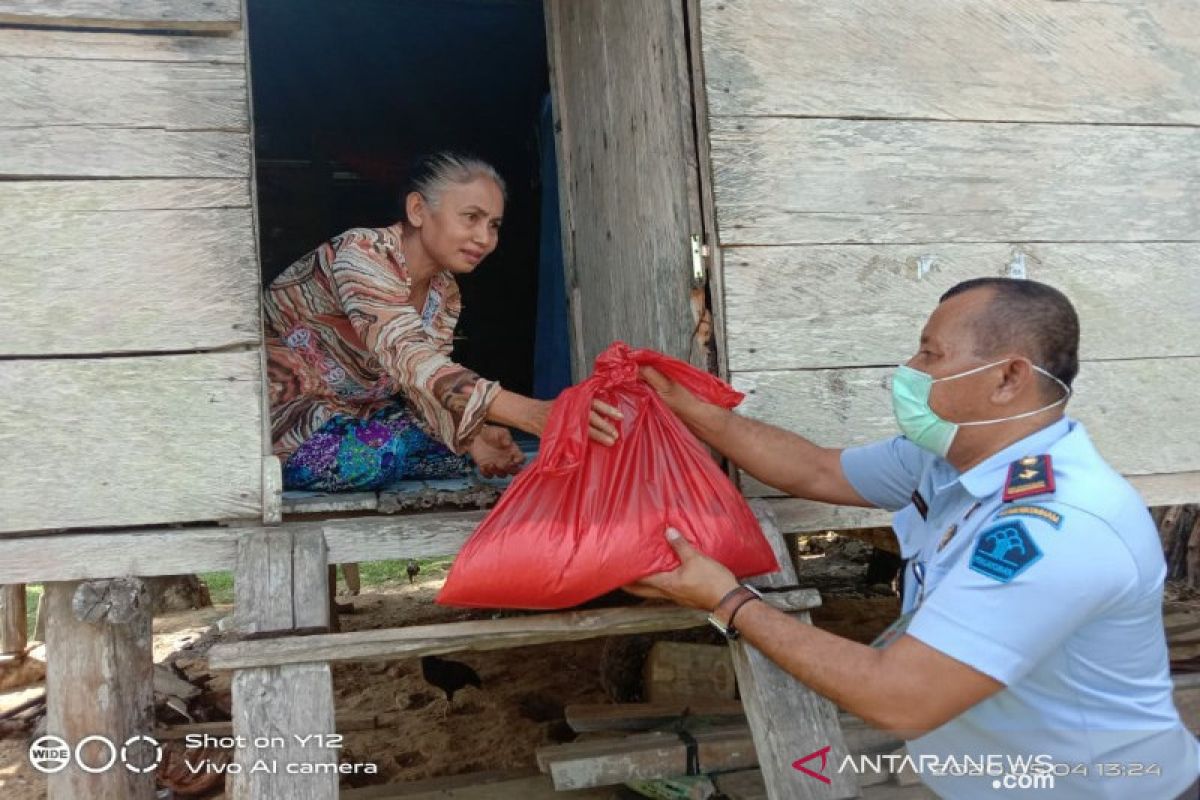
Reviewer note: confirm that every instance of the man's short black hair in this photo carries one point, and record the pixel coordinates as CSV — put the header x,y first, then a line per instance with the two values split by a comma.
x,y
1031,317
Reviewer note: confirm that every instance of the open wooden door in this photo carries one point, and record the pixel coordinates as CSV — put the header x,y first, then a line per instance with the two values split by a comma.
x,y
628,175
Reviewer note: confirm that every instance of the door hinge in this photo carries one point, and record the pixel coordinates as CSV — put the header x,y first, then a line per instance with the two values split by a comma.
x,y
699,254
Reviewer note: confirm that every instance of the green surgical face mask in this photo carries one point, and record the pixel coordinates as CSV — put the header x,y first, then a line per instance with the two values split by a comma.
x,y
922,425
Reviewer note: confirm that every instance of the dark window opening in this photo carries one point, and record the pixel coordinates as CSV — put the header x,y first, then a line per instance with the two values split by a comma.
x,y
346,93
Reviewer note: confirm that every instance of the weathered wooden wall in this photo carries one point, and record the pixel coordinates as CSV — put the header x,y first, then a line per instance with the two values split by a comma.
x,y
130,376
627,167
865,159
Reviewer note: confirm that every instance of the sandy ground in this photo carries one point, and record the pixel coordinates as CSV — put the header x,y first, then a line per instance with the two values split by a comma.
x,y
519,708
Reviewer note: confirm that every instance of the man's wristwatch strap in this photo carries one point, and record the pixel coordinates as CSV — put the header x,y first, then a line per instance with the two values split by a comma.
x,y
723,615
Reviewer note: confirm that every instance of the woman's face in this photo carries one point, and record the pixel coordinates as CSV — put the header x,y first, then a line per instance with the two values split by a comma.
x,y
463,228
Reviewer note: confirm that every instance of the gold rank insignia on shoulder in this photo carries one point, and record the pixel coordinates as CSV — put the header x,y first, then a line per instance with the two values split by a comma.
x,y
1036,512
1028,477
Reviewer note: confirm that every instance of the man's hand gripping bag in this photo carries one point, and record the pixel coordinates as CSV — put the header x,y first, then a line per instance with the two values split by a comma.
x,y
584,519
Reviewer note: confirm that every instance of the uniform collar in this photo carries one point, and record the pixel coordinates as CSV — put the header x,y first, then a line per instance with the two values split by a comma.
x,y
987,477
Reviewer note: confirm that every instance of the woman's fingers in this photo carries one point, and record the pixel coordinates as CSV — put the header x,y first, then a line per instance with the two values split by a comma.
x,y
607,410
601,430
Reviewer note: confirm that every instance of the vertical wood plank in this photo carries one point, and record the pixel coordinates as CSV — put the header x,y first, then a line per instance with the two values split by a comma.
x,y
283,713
262,585
785,577
14,632
788,721
310,579
627,171
99,682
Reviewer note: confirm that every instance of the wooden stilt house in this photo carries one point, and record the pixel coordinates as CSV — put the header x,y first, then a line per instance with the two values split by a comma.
x,y
811,174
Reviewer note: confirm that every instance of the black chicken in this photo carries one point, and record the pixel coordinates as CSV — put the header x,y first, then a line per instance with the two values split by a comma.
x,y
449,676
412,569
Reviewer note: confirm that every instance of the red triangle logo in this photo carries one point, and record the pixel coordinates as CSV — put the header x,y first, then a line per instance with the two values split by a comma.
x,y
824,754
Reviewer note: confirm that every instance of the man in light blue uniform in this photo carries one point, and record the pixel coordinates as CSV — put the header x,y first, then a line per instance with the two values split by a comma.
x,y
1032,640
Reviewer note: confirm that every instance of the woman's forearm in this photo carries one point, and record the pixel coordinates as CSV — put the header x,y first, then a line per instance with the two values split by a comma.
x,y
518,411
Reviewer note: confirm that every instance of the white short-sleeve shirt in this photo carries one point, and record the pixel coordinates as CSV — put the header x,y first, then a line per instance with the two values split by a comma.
x,y
1057,595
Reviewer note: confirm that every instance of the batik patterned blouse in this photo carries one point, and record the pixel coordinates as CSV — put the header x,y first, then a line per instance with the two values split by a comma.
x,y
341,338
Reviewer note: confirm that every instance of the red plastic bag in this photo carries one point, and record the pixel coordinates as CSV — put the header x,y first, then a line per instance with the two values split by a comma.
x,y
584,519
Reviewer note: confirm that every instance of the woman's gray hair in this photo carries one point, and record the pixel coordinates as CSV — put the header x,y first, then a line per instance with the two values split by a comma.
x,y
432,174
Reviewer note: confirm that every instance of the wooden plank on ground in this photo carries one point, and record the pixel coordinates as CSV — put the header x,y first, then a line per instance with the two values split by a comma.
x,y
479,635
803,307
585,718
813,181
789,721
512,785
173,95
1132,62
645,756
196,287
678,672
130,441
99,45
210,15
749,785
99,152
842,407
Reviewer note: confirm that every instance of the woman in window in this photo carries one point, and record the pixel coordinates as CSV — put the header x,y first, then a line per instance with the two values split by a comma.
x,y
359,334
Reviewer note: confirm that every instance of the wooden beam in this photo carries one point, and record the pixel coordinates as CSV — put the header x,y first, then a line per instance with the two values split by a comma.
x,y
454,637
826,181
843,407
802,307
586,718
805,516
100,46
100,152
14,626
196,289
209,15
645,756
988,60
172,95
99,682
152,440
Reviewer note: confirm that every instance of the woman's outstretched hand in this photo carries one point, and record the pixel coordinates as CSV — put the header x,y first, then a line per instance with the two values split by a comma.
x,y
495,452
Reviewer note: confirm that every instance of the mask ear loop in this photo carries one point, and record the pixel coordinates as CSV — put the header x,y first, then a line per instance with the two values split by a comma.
x,y
1060,401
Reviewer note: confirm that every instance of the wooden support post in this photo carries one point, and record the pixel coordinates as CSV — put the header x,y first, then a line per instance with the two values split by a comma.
x,y
788,720
99,682
14,630
281,583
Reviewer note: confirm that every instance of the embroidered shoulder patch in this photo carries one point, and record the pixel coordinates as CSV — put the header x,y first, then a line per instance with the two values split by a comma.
x,y
1004,551
1028,477
1037,512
